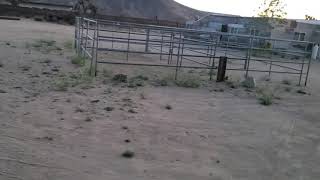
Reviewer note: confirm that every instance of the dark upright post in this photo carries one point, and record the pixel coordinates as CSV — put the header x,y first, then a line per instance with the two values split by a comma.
x,y
222,69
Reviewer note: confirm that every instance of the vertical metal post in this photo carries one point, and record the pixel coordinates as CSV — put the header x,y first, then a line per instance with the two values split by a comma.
x,y
97,47
75,34
227,46
308,71
93,48
87,33
161,48
270,68
112,34
81,36
178,57
249,56
182,52
301,72
170,48
147,40
128,46
211,61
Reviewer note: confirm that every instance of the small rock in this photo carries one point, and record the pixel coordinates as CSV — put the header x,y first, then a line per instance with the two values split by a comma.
x,y
109,109
132,111
88,119
95,101
46,73
125,127
2,91
127,141
301,91
55,69
84,156
128,154
79,109
217,161
168,107
68,100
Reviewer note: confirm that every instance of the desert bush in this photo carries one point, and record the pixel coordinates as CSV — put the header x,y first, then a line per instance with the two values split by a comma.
x,y
188,81
128,154
265,96
120,78
137,81
73,79
44,45
78,60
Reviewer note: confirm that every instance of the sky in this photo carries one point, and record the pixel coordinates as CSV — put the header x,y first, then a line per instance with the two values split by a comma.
x,y
296,9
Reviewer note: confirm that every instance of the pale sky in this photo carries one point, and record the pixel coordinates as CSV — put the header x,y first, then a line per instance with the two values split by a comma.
x,y
296,9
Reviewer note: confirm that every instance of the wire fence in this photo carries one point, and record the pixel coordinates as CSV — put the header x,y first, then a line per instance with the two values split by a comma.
x,y
185,48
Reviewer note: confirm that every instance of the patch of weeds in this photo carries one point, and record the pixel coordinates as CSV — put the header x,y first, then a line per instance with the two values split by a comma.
x,y
68,45
286,82
137,81
78,60
265,97
73,79
128,154
120,78
44,45
168,107
188,81
61,84
249,83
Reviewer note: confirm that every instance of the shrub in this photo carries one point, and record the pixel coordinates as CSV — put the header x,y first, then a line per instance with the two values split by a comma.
x,y
121,78
78,60
188,81
265,97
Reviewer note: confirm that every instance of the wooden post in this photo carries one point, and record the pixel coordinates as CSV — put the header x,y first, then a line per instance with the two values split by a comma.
x,y
222,69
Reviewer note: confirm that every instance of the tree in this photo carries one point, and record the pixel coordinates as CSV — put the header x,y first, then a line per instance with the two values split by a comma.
x,y
272,9
307,17
86,7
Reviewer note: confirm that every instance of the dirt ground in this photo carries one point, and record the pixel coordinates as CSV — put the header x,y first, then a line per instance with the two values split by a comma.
x,y
81,133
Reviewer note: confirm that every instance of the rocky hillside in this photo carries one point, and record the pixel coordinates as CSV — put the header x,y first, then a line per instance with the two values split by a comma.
x,y
162,9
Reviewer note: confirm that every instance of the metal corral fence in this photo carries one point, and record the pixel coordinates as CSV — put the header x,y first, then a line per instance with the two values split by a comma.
x,y
184,48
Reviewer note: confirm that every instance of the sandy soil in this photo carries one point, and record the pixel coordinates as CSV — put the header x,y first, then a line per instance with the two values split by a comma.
x,y
49,135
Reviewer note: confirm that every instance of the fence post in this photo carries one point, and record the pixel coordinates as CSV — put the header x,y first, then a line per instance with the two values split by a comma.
x,y
147,40
222,68
178,57
97,47
249,57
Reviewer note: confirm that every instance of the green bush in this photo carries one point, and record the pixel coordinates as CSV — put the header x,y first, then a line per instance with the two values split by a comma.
x,y
188,81
78,60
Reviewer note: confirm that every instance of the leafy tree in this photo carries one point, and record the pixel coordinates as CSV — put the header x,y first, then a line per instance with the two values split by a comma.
x,y
307,17
86,7
274,9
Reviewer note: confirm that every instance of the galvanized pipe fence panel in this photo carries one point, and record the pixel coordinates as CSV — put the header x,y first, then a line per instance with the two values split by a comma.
x,y
186,48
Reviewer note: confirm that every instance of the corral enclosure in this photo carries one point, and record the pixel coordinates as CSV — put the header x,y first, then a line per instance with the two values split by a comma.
x,y
57,122
180,48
